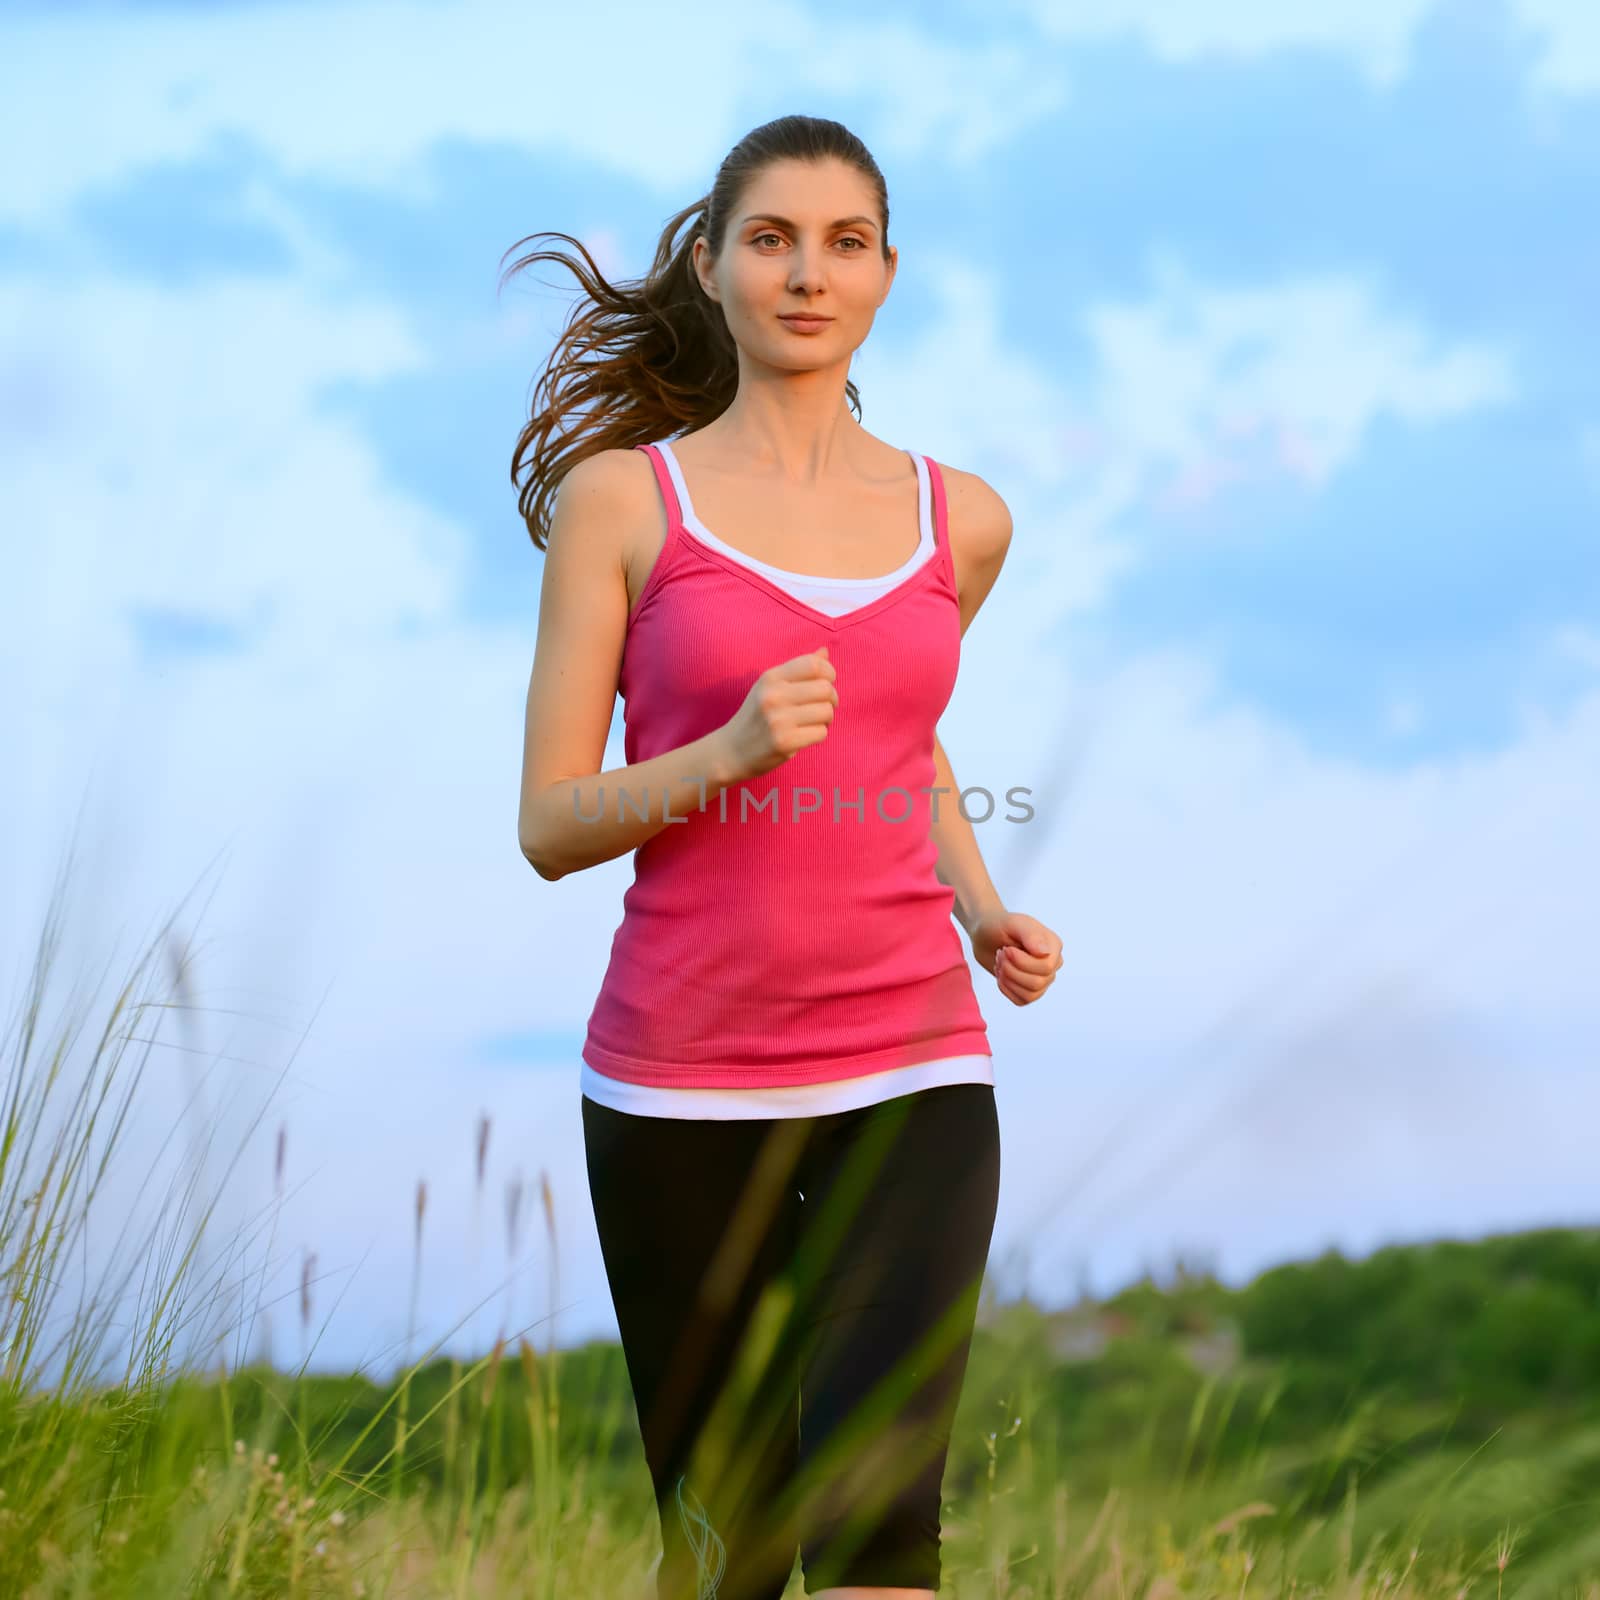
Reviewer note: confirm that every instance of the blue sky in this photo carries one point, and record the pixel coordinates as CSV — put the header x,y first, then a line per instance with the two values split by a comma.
x,y
1276,332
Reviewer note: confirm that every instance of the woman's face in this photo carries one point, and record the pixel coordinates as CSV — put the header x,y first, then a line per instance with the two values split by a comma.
x,y
826,257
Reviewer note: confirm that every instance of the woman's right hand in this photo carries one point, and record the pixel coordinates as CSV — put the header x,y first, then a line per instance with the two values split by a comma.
x,y
789,707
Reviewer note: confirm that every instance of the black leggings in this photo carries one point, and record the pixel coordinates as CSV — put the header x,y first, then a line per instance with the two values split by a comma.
x,y
796,1298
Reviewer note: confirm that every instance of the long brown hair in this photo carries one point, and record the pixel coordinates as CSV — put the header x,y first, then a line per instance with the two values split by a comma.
x,y
652,357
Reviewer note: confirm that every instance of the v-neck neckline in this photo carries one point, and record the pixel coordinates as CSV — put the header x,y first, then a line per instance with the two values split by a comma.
x,y
689,523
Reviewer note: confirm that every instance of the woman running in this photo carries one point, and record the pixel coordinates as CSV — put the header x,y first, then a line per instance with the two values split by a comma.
x,y
787,1088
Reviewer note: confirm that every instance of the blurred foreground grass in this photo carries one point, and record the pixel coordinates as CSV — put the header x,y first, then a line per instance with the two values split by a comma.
x,y
1421,1423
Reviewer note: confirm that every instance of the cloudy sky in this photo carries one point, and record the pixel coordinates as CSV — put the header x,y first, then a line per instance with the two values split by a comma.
x,y
1274,326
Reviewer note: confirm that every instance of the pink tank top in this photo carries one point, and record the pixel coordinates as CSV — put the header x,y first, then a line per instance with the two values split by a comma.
x,y
791,930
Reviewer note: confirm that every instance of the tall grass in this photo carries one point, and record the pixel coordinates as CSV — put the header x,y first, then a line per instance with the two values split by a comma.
x,y
142,1455
137,1458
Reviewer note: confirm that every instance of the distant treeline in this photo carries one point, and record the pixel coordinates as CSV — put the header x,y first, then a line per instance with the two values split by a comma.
x,y
1401,1350
1504,1321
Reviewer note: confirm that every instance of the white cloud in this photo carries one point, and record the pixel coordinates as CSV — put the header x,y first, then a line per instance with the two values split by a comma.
x,y
1568,36
1306,366
211,475
1578,644
1240,916
1402,715
363,94
1191,386
1377,34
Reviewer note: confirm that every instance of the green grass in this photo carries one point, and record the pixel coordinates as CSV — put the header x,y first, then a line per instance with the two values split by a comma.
x,y
1325,1459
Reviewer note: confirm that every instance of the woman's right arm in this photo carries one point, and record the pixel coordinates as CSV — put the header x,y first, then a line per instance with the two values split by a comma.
x,y
583,621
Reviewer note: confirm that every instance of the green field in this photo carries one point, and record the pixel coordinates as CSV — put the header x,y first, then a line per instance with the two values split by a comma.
x,y
1424,1421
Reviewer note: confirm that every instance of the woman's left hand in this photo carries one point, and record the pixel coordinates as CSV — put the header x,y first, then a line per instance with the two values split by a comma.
x,y
1020,951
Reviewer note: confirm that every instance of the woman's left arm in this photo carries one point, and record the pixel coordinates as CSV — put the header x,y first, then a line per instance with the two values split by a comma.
x,y
960,864
1022,953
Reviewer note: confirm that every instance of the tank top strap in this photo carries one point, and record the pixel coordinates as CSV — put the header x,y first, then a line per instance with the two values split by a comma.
x,y
941,515
669,495
674,538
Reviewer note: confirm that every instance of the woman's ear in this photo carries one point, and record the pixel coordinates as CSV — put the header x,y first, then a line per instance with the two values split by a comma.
x,y
708,289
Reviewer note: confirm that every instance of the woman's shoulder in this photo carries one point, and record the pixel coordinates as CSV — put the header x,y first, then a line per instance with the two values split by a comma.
x,y
620,477
979,518
980,535
616,467
614,492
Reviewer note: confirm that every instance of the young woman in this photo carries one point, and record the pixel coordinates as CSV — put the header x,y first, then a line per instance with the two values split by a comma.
x,y
787,1091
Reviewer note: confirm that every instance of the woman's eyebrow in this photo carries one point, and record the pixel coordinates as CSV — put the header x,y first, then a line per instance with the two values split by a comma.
x,y
784,222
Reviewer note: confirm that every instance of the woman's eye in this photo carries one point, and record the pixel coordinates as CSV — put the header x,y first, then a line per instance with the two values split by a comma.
x,y
849,238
